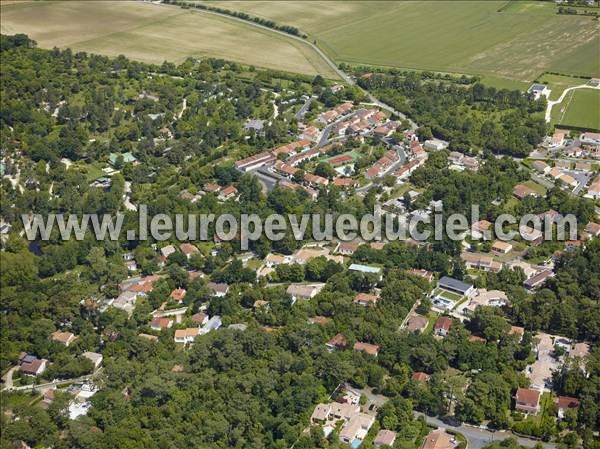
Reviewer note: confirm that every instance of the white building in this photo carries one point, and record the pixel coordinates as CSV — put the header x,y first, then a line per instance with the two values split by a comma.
x,y
537,90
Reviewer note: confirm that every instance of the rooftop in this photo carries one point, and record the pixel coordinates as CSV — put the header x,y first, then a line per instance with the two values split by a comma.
x,y
454,284
528,396
367,348
439,439
364,268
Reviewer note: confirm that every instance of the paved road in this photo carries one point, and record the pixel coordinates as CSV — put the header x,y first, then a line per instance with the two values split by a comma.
x,y
183,108
304,109
551,104
583,180
8,378
325,135
394,167
267,179
347,78
476,436
55,383
324,139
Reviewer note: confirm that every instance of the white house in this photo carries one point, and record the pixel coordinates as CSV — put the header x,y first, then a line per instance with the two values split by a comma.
x,y
93,357
186,335
537,90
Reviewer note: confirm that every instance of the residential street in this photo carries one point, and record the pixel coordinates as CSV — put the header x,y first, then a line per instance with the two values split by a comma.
x,y
46,386
304,109
476,436
347,78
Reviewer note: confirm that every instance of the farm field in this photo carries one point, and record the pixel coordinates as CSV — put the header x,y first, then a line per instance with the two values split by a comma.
x,y
153,34
579,109
516,41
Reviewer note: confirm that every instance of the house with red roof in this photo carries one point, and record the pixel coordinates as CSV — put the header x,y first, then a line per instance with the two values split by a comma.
x,y
178,294
338,342
420,376
228,193
188,249
159,324
365,299
442,326
367,348
564,404
527,401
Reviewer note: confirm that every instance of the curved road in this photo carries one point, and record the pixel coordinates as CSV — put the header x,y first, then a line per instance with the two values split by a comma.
x,y
551,104
49,385
476,436
343,75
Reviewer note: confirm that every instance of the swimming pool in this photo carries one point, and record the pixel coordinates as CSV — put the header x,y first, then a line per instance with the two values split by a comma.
x,y
356,442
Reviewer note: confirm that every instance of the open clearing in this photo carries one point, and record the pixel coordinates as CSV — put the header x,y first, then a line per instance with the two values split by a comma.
x,y
508,44
520,42
155,33
557,84
580,108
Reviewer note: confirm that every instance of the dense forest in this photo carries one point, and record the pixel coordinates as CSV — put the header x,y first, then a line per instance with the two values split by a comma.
x,y
469,116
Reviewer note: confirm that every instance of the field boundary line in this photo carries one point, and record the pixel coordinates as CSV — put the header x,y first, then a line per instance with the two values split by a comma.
x,y
320,52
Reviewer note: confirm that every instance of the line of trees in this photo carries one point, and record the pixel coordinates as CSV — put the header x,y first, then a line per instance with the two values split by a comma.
x,y
241,15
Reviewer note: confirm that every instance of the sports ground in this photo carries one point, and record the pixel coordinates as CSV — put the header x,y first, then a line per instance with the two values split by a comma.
x,y
580,108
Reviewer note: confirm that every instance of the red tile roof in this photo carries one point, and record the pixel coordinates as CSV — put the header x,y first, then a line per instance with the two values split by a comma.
x,y
178,294
188,248
162,323
367,348
567,402
443,323
339,342
229,190
421,376
528,396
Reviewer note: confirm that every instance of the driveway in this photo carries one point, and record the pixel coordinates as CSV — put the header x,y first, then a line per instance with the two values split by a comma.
x,y
551,104
477,437
304,109
8,378
55,383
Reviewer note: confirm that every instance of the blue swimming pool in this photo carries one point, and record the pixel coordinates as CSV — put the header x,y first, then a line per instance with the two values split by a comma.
x,y
356,443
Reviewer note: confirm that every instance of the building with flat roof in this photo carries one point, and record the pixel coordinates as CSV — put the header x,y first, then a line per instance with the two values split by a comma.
x,y
384,438
455,286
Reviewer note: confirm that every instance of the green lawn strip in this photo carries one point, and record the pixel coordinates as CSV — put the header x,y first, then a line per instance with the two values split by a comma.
x,y
535,186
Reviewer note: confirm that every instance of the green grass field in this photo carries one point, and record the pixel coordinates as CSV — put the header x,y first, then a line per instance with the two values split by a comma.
x,y
557,83
580,108
155,33
508,43
519,43
537,187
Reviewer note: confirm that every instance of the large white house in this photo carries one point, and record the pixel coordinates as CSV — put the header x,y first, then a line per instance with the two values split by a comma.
x,y
537,90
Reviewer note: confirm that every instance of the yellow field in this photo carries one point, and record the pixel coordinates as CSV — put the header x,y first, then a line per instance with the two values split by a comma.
x,y
155,33
516,41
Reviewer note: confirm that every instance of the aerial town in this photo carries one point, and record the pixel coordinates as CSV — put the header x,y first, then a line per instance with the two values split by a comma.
x,y
159,341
